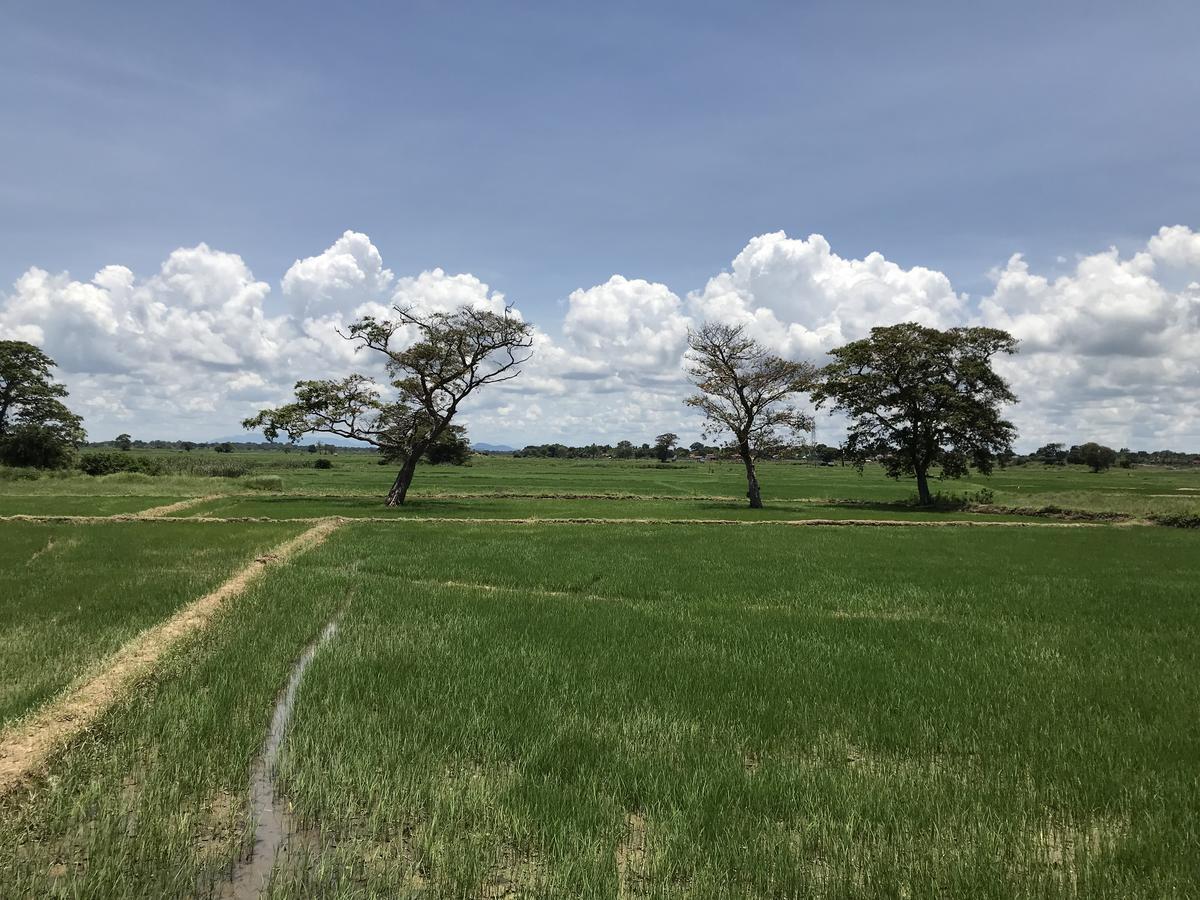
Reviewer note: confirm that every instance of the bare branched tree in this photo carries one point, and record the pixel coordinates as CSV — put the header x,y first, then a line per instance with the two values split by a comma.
x,y
745,393
454,354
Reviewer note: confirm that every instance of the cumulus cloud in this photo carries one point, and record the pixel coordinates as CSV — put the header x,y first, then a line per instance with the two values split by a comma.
x,y
1110,350
350,272
801,297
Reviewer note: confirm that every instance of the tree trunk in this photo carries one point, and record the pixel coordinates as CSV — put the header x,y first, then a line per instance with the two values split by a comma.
x,y
923,488
404,478
752,490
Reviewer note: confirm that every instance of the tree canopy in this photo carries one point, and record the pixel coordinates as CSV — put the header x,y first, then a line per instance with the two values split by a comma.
x,y
1097,457
918,397
745,394
36,428
453,355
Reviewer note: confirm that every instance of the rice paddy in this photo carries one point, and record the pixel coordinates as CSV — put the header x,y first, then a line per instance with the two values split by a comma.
x,y
546,709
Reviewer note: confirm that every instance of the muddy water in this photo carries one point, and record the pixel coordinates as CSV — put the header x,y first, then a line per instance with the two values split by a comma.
x,y
273,824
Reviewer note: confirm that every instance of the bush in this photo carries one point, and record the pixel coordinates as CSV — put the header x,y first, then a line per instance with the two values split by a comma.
x,y
36,446
128,478
11,474
264,483
108,463
323,464
1177,520
950,502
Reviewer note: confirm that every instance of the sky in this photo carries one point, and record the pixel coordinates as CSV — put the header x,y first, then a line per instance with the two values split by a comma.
x,y
194,197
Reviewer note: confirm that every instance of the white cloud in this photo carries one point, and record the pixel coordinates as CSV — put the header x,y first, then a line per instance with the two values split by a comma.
x,y
350,272
801,297
1176,245
633,326
1110,350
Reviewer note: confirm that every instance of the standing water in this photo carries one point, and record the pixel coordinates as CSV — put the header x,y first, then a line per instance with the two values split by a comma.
x,y
272,822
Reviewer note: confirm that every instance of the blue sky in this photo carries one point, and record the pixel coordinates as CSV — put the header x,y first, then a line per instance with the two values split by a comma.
x,y
546,147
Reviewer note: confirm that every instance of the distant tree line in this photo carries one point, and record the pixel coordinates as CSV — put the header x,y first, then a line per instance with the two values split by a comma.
x,y
921,402
1098,457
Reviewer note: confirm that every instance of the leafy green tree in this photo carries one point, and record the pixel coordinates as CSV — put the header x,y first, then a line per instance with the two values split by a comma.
x,y
452,448
224,447
1097,457
123,442
454,355
624,450
1051,454
745,394
36,428
664,446
918,397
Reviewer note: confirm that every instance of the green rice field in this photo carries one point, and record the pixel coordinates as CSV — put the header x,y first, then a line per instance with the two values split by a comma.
x,y
648,709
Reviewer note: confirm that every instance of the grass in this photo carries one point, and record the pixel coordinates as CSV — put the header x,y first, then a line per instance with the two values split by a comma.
x,y
86,505
640,711
152,802
72,594
631,711
1135,492
500,507
773,716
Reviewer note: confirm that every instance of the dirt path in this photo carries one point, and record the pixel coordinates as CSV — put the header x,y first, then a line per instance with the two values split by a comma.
x,y
25,746
171,508
589,520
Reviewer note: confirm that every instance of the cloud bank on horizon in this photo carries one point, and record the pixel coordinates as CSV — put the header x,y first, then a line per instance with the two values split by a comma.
x,y
1109,351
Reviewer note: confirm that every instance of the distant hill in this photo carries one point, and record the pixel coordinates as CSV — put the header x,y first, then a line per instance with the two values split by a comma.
x,y
493,448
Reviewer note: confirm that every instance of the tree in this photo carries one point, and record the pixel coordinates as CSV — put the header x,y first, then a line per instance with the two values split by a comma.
x,y
744,392
1097,457
224,447
454,354
918,397
452,448
1051,454
36,428
1125,458
123,442
664,446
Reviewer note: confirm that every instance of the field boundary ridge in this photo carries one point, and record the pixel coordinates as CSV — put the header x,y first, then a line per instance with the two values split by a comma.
x,y
28,743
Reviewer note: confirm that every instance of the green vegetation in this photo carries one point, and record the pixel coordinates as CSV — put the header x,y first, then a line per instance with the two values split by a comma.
x,y
72,594
782,713
635,710
67,505
491,507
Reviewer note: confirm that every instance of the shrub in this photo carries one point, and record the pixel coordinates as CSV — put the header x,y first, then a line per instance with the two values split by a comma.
x,y
1177,520
36,446
323,464
949,502
108,463
8,473
264,483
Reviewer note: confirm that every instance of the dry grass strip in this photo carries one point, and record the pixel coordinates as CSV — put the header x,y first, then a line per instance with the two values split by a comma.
x,y
171,508
26,745
593,520
630,858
